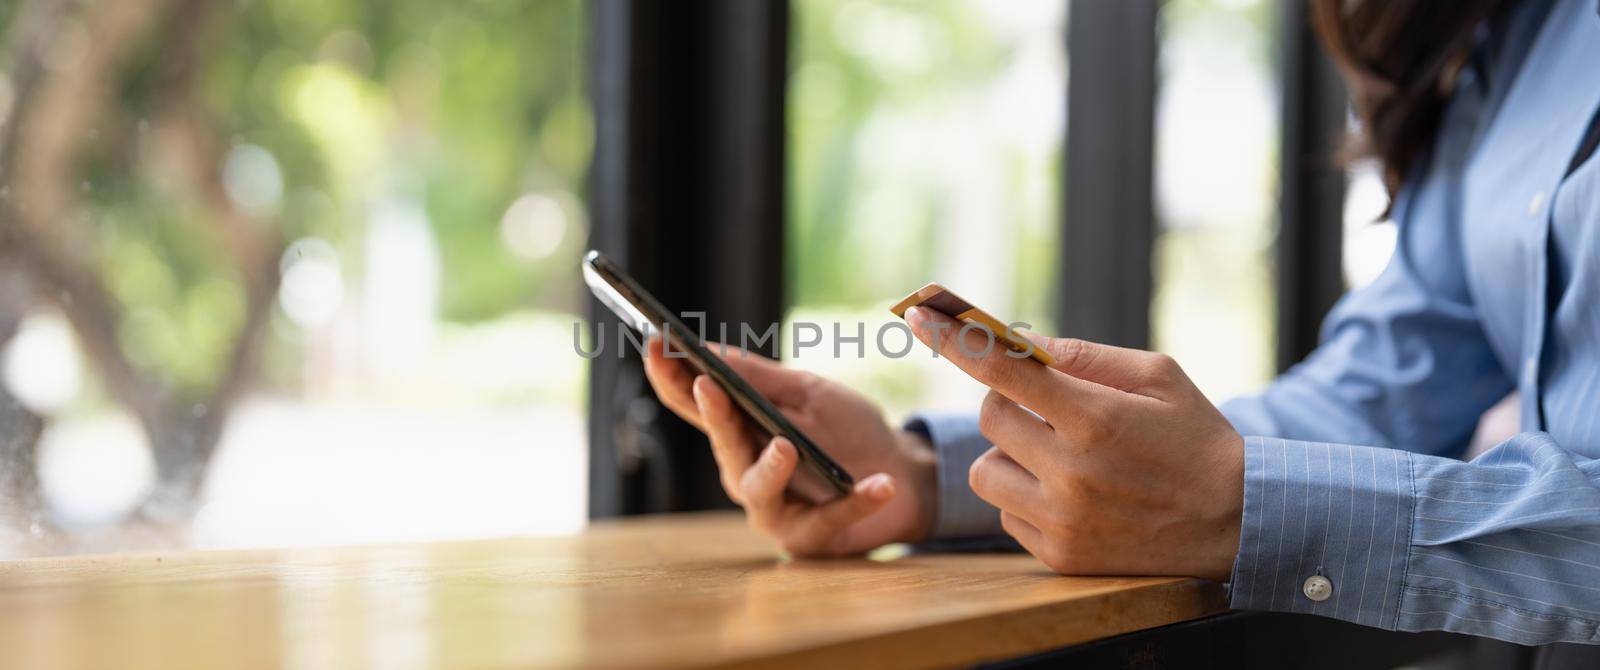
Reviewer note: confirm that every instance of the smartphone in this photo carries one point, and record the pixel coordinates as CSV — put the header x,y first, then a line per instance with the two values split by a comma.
x,y
945,301
817,478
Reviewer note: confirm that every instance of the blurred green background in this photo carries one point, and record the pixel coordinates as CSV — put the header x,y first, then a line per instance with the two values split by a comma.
x,y
328,241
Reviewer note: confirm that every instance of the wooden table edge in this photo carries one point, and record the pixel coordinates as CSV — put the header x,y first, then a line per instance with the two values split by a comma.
x,y
1015,633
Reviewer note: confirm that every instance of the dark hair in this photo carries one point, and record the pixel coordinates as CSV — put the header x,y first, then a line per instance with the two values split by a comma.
x,y
1399,59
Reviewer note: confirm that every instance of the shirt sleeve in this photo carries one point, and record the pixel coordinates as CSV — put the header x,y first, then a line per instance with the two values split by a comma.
x,y
957,443
1507,546
1398,534
1403,362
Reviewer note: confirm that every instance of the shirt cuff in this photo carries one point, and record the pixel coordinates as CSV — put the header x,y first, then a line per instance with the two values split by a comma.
x,y
1338,512
956,444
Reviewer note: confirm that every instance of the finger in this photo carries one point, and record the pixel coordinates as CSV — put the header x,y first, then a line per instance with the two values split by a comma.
x,y
672,381
1019,433
1005,484
827,528
1024,380
1019,528
731,444
778,383
762,484
1026,534
1130,370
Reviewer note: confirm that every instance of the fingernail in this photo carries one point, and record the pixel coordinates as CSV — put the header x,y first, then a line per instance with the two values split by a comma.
x,y
878,486
775,454
694,389
914,315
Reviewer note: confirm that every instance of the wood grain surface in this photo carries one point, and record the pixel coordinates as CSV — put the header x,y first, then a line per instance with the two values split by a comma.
x,y
673,591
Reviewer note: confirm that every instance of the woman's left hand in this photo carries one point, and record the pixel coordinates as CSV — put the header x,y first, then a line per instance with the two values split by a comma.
x,y
1121,467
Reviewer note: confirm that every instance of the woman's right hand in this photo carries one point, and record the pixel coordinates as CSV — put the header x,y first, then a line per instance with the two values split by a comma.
x,y
893,498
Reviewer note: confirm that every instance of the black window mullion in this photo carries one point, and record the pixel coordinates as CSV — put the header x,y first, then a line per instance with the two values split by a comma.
x,y
686,192
1308,251
1109,226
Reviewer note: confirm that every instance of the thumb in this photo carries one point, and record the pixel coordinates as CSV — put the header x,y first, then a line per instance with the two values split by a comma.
x,y
1124,369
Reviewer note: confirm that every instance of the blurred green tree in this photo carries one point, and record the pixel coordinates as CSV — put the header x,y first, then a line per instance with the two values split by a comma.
x,y
855,61
158,156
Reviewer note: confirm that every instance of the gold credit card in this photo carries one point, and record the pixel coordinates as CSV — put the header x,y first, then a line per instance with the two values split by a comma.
x,y
945,301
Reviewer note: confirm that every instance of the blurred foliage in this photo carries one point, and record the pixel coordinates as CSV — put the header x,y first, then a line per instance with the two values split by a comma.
x,y
866,227
1195,15
462,107
463,104
854,61
886,97
459,107
1213,303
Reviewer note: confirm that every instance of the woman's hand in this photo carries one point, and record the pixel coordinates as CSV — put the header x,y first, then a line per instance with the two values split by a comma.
x,y
1121,467
893,496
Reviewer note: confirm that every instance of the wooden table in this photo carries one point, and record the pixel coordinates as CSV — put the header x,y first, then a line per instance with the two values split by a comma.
x,y
675,591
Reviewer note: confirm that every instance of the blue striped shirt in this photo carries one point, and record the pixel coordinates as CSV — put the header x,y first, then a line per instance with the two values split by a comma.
x,y
1352,468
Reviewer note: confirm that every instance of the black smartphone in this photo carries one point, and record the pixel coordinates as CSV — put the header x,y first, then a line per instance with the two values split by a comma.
x,y
818,478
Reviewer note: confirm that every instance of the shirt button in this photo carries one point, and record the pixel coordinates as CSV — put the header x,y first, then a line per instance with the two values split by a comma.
x,y
1536,203
1317,588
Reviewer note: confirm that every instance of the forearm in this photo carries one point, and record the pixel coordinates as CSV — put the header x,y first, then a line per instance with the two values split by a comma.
x,y
1297,407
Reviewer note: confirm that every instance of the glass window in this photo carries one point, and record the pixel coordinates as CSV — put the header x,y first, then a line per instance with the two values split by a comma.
x,y
925,146
327,285
1216,179
1369,239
